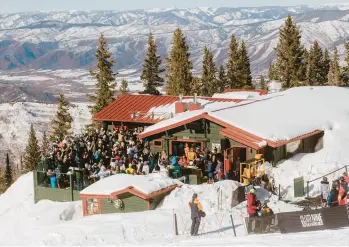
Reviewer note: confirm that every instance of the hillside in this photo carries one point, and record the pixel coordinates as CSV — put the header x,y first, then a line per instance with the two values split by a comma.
x,y
67,40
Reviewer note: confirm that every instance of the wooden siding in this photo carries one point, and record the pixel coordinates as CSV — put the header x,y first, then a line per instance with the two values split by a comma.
x,y
56,195
310,143
132,204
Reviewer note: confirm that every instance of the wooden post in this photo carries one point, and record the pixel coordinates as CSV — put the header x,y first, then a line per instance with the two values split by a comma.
x,y
232,222
308,189
175,223
279,191
71,187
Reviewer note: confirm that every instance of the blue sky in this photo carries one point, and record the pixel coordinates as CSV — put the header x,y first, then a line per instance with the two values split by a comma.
x,y
11,6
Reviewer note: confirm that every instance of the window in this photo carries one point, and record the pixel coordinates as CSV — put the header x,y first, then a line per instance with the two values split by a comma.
x,y
92,206
157,143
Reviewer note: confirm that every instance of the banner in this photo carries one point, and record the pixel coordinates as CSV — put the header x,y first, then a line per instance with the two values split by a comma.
x,y
300,221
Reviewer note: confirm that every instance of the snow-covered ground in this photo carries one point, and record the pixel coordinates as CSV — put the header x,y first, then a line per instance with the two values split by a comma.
x,y
50,223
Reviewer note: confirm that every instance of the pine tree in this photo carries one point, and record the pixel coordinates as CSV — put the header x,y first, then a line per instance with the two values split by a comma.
x,y
8,174
314,65
244,71
334,78
272,72
179,75
151,69
45,146
32,152
196,85
222,80
325,66
289,54
61,124
105,85
124,87
262,84
345,71
208,78
232,65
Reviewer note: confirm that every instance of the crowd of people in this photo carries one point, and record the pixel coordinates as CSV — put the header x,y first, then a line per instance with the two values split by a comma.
x,y
337,194
100,153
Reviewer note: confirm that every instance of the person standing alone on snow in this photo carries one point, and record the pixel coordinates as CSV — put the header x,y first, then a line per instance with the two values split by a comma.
x,y
325,191
251,208
196,211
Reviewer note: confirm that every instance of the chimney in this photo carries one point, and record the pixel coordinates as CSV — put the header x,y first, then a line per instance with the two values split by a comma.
x,y
180,106
194,105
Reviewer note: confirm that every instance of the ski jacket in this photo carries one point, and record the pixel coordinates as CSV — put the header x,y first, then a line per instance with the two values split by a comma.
x,y
195,207
333,197
251,203
342,198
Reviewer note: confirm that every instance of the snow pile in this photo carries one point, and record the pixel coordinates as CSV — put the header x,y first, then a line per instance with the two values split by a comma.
x,y
144,183
333,156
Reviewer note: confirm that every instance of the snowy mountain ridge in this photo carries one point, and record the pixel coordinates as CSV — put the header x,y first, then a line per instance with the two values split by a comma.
x,y
68,39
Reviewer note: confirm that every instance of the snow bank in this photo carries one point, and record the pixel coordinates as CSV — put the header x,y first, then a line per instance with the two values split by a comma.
x,y
333,156
146,184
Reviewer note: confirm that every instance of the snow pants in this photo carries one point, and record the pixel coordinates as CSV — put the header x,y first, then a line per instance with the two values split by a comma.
x,y
195,224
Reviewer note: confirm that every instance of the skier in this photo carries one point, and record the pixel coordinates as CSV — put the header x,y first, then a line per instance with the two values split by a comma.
x,y
325,191
196,213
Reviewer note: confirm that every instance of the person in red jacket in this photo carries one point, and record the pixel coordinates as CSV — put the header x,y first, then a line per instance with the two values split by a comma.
x,y
252,203
251,208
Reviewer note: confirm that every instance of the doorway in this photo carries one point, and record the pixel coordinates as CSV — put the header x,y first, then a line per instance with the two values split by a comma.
x,y
177,147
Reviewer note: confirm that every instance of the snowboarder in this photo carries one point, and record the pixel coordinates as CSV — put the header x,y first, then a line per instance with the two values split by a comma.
x,y
333,197
196,213
325,191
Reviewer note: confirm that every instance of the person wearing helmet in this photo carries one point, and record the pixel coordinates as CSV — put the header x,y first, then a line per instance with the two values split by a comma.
x,y
196,214
251,207
325,191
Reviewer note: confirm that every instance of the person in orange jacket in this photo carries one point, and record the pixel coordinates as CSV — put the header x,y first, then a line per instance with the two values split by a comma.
x,y
196,213
342,195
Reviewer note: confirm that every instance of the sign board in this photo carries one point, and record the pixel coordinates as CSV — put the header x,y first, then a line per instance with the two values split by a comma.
x,y
185,138
301,221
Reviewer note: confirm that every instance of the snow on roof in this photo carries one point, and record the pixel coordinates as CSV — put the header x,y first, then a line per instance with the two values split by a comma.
x,y
236,95
291,113
146,184
205,104
178,118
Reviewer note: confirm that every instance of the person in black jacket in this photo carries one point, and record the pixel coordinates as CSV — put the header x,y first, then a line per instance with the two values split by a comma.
x,y
196,212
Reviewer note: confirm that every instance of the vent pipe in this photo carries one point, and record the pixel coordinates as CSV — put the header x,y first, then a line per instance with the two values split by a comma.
x,y
195,97
180,98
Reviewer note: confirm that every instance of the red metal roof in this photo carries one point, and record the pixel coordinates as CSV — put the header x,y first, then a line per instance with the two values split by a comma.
x,y
123,108
261,92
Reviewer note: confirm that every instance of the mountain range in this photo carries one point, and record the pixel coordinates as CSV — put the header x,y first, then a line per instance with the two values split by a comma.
x,y
68,39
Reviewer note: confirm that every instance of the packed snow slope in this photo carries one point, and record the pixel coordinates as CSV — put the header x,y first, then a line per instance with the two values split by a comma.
x,y
49,223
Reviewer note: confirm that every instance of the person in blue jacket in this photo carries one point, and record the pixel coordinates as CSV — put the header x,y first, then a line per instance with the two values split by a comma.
x,y
209,170
174,161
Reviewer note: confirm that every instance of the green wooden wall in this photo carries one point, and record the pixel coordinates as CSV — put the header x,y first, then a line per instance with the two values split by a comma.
x,y
156,201
185,132
56,195
132,204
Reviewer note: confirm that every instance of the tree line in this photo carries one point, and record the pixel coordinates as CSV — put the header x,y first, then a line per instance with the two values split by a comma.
x,y
297,66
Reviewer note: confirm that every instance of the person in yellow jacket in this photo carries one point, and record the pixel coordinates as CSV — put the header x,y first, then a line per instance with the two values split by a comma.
x,y
196,214
130,170
191,155
246,176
